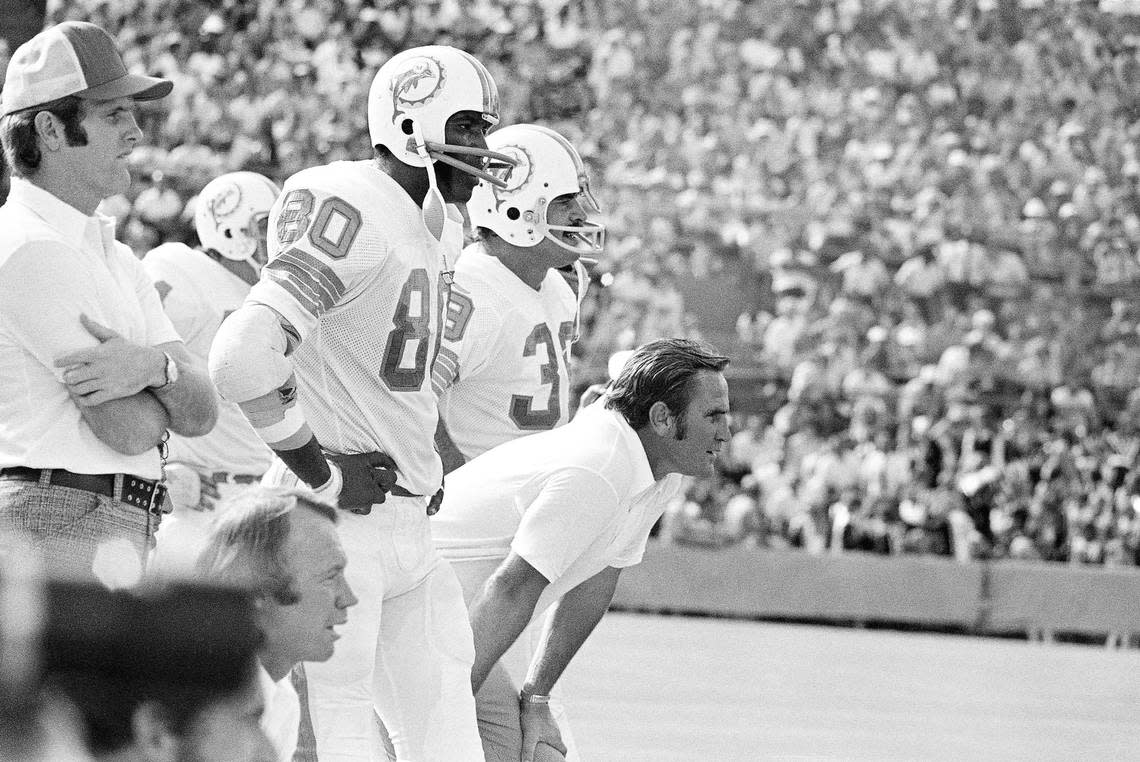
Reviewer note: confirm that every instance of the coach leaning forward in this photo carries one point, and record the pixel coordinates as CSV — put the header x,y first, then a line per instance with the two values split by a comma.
x,y
92,373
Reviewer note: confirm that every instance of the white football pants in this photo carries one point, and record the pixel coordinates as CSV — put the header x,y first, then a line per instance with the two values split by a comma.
x,y
406,651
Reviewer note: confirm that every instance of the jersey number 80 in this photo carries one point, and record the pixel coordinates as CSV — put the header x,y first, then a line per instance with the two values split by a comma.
x,y
412,323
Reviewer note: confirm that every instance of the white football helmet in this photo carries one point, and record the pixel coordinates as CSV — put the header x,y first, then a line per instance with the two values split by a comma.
x,y
231,215
416,92
545,167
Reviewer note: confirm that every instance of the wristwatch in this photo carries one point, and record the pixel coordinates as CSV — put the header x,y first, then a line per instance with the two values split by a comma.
x,y
171,373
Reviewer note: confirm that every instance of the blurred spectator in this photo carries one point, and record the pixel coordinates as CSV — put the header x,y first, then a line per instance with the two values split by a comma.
x,y
163,675
35,725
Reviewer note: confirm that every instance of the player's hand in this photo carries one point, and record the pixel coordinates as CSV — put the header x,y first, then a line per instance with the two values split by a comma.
x,y
539,728
367,480
114,369
435,502
184,488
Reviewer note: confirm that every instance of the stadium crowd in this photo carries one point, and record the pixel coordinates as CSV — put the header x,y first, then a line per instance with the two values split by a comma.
x,y
934,202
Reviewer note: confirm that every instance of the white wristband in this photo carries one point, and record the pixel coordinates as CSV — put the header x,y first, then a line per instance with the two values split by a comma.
x,y
534,698
330,490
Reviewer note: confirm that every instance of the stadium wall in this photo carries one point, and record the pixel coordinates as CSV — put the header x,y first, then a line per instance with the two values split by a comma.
x,y
1035,600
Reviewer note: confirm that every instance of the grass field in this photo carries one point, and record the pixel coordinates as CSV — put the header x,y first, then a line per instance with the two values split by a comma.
x,y
675,688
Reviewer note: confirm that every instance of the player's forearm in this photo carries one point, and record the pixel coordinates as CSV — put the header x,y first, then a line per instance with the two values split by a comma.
x,y
496,621
501,611
250,367
129,425
575,617
307,462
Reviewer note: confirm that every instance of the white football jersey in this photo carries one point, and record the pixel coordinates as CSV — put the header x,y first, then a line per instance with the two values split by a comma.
x,y
357,274
197,294
503,370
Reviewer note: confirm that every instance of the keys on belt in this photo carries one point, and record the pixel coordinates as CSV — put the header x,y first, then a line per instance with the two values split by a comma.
x,y
225,477
147,494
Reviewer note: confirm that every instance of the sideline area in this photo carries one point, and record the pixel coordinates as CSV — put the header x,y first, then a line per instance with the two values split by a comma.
x,y
673,689
1034,600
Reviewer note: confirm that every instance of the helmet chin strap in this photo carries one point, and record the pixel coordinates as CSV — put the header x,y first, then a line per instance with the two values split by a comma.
x,y
434,207
580,294
255,265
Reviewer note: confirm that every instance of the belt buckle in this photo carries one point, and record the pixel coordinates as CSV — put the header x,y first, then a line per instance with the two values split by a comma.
x,y
146,494
157,503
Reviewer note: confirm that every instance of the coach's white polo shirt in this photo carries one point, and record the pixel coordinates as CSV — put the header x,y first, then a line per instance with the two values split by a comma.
x,y
570,501
57,263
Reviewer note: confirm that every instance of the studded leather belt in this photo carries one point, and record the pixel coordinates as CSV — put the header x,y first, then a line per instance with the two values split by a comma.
x,y
147,494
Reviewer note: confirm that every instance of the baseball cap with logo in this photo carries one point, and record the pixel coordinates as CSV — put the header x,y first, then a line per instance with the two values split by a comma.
x,y
72,58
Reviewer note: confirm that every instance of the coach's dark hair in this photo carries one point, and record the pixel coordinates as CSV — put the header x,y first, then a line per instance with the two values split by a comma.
x,y
247,538
661,371
18,132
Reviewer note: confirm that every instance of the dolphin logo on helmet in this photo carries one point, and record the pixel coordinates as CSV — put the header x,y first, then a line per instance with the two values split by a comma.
x,y
416,85
227,199
513,177
231,213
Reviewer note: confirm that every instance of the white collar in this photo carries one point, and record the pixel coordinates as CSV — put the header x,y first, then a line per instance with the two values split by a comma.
x,y
642,472
61,216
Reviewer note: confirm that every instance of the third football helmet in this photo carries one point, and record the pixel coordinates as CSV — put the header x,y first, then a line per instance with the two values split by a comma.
x,y
231,215
545,167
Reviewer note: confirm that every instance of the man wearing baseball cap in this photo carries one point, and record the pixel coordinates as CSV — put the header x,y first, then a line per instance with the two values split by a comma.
x,y
92,374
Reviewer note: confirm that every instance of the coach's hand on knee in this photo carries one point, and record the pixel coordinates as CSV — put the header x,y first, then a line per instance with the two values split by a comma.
x,y
367,479
541,738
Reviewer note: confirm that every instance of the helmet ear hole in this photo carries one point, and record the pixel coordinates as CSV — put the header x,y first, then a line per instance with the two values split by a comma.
x,y
406,126
228,233
513,213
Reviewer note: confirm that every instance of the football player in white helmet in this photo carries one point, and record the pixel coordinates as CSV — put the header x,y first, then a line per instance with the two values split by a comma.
x,y
231,215
503,371
199,287
346,320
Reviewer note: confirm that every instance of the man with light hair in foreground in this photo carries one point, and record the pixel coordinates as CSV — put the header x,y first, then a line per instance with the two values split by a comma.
x,y
282,544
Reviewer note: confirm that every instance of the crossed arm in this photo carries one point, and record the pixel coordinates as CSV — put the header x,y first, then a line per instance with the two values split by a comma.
x,y
113,383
